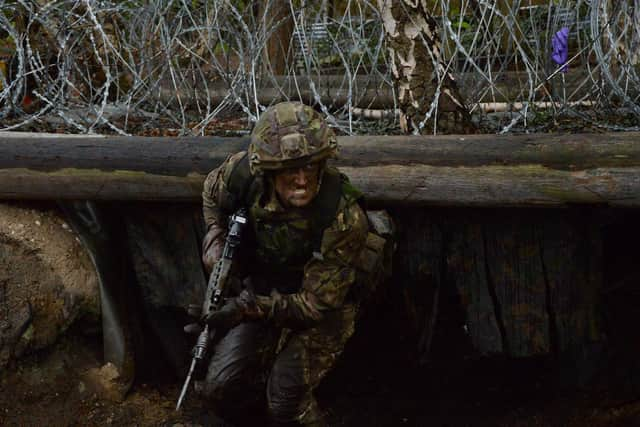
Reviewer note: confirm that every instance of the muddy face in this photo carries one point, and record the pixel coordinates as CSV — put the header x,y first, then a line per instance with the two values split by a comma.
x,y
296,187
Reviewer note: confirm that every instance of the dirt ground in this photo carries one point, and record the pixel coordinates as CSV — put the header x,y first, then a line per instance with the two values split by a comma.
x,y
367,388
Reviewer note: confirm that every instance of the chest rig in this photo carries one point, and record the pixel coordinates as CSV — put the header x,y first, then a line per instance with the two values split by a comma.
x,y
284,241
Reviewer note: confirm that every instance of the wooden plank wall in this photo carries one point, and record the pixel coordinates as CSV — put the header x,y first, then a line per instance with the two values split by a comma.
x,y
527,281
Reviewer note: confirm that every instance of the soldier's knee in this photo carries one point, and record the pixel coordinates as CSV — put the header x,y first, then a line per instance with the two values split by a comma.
x,y
287,397
221,388
303,412
283,411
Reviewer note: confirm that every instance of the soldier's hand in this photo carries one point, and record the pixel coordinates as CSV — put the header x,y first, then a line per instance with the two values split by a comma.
x,y
234,311
193,328
194,310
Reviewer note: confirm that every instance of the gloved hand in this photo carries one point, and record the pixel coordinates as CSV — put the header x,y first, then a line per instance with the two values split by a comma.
x,y
194,310
235,311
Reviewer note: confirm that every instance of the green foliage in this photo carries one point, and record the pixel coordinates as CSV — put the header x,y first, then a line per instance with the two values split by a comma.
x,y
7,46
221,48
459,22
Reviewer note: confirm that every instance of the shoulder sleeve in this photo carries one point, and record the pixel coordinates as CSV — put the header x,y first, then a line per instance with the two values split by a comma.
x,y
214,191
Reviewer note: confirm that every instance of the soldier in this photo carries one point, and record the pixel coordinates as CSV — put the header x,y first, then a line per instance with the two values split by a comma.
x,y
290,323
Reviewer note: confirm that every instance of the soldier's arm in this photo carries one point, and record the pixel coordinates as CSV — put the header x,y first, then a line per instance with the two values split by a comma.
x,y
214,218
328,277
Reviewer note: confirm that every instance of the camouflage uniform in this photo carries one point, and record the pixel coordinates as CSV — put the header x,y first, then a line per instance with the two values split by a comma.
x,y
303,278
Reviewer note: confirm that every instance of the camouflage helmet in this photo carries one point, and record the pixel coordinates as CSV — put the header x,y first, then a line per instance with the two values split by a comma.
x,y
290,134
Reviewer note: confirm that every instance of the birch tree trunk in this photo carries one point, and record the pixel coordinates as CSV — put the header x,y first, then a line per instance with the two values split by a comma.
x,y
425,87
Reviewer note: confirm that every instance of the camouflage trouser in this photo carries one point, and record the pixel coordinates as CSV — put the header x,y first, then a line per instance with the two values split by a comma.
x,y
255,357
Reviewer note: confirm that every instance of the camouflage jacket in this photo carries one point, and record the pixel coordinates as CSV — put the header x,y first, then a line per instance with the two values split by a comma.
x,y
327,273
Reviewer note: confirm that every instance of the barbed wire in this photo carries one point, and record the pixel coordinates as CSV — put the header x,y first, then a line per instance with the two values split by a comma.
x,y
107,66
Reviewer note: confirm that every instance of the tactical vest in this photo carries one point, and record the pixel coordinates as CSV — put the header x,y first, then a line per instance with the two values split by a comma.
x,y
285,241
283,244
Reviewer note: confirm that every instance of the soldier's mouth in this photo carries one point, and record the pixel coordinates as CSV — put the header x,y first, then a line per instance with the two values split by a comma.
x,y
300,193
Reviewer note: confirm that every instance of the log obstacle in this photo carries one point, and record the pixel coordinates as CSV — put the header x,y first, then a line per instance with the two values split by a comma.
x,y
541,170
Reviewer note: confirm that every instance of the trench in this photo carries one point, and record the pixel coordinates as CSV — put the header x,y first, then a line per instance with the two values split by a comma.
x,y
383,377
386,358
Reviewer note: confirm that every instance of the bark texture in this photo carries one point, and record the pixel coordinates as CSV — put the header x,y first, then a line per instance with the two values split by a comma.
x,y
478,170
425,87
518,283
279,20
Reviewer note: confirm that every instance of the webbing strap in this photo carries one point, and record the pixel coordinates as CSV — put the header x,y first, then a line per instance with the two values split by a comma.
x,y
324,205
238,184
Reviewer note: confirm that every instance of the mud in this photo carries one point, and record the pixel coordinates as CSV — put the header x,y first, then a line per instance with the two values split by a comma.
x,y
64,397
371,386
47,281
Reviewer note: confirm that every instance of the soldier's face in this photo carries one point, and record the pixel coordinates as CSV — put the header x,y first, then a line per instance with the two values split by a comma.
x,y
296,187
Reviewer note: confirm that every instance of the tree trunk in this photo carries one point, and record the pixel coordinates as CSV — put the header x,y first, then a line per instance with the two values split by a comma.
x,y
277,20
425,87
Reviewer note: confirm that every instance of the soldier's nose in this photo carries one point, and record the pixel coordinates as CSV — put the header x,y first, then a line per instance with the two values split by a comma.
x,y
300,178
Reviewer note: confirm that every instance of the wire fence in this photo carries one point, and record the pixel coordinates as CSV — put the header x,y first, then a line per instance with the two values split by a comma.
x,y
190,67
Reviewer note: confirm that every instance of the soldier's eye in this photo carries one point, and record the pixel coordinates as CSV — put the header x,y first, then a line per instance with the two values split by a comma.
x,y
311,168
289,171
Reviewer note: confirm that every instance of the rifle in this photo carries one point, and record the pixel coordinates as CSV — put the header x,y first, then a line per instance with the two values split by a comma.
x,y
216,290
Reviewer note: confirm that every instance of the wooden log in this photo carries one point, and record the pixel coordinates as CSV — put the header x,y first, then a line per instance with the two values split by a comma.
x,y
373,92
479,170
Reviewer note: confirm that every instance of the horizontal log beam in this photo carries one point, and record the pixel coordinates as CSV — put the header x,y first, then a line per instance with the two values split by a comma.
x,y
366,91
477,170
